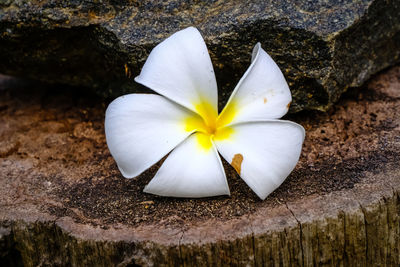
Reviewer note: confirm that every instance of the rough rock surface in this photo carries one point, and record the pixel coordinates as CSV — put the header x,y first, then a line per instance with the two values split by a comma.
x,y
323,47
63,200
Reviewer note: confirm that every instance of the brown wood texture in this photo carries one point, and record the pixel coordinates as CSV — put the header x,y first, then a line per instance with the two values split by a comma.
x,y
64,202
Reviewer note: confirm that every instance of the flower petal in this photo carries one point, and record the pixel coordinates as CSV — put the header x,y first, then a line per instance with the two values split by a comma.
x,y
193,169
141,129
262,93
180,68
263,153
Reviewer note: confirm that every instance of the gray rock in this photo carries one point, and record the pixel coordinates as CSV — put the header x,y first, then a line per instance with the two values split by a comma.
x,y
323,47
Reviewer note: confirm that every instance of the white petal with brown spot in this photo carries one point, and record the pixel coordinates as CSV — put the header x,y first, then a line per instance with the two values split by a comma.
x,y
141,129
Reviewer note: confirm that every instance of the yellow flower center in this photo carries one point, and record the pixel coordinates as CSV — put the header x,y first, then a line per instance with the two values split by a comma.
x,y
209,125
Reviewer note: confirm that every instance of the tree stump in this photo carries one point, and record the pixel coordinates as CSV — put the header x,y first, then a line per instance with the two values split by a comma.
x,y
64,202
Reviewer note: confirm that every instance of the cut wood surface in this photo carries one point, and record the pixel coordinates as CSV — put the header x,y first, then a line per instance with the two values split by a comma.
x,y
64,202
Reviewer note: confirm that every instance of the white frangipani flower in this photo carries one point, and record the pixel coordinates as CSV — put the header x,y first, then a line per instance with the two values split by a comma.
x,y
143,128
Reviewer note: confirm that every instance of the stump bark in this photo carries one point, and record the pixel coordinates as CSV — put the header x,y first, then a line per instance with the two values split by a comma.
x,y
103,45
64,202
